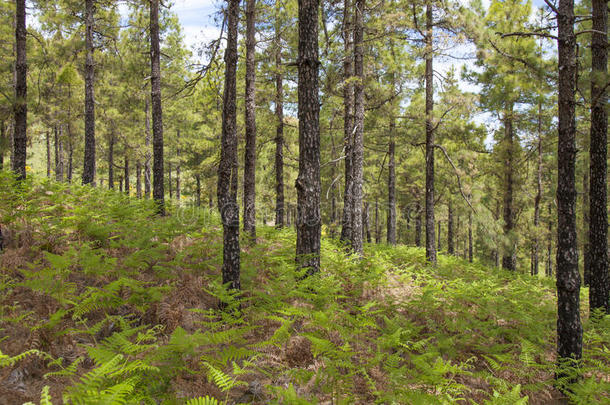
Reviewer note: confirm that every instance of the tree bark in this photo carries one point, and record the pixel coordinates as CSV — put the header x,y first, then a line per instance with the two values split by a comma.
x,y
89,163
126,169
178,167
569,328
138,179
227,169
439,241
58,163
20,107
549,248
430,246
157,111
198,190
538,198
509,258
279,131
358,141
377,230
169,180
111,162
48,139
70,155
470,245
599,292
450,244
147,153
308,181
348,122
391,227
586,219
366,222
250,121
418,224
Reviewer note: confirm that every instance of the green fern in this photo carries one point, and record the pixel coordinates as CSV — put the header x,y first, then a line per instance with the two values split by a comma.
x,y
207,400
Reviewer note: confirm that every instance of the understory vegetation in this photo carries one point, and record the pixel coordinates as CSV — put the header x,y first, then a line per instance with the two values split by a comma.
x,y
101,301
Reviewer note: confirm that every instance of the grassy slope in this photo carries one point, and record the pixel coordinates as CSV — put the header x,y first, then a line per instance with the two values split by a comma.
x,y
118,304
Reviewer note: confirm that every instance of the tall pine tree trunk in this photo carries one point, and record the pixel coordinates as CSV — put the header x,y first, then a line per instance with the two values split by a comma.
x,y
358,141
509,254
126,171
348,121
470,244
391,226
586,219
48,139
430,245
89,163
250,120
279,131
178,167
157,112
599,293
147,153
227,169
538,198
138,179
308,181
569,328
198,190
111,162
20,107
169,180
450,245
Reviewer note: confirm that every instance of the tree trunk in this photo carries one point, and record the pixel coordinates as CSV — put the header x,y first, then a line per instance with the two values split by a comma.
x,y
569,328
391,227
470,246
227,169
20,111
178,167
111,162
250,122
366,222
169,180
157,112
308,181
439,243
126,175
89,163
450,245
48,139
536,255
418,224
147,153
138,179
120,184
57,158
377,230
358,141
348,122
279,131
509,254
70,155
586,219
549,249
198,190
599,293
430,248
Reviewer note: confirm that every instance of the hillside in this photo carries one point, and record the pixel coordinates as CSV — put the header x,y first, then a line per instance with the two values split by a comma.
x,y
102,302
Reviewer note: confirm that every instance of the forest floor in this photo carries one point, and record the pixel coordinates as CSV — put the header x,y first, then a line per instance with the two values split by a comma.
x,y
102,302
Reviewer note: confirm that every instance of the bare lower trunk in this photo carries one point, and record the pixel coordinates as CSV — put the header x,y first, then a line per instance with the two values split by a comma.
x,y
111,162
59,165
308,180
569,328
126,175
538,199
599,293
20,108
509,254
585,226
48,139
391,227
89,164
169,180
147,153
227,169
549,247
348,122
138,179
450,245
470,247
377,230
250,120
430,246
198,190
358,145
279,138
157,111
366,222
70,155
439,245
